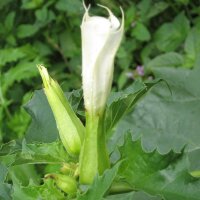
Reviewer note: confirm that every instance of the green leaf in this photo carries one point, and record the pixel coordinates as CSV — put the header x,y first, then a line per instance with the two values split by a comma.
x,y
100,185
171,59
45,191
20,120
5,191
42,153
72,8
9,21
157,174
157,8
192,45
132,196
10,55
23,174
165,121
119,103
23,70
4,3
43,126
194,160
14,153
68,44
141,32
31,4
27,30
169,36
3,172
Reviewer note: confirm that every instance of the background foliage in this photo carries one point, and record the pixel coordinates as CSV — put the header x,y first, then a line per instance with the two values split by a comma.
x,y
158,33
161,36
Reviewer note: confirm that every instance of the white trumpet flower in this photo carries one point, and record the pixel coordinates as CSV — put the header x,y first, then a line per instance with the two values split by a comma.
x,y
100,41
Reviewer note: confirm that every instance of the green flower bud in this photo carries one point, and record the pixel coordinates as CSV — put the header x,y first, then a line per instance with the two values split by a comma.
x,y
66,183
69,126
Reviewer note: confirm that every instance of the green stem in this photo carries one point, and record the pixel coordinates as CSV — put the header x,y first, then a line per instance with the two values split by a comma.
x,y
94,157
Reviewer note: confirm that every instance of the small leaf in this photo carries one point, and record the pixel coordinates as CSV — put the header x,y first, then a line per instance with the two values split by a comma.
x,y
10,55
141,32
27,4
27,30
157,8
9,21
192,45
171,59
169,40
72,8
22,71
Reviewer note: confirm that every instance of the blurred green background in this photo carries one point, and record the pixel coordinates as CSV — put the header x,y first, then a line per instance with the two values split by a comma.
x,y
157,33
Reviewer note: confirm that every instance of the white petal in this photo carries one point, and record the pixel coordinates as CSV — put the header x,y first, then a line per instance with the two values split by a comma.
x,y
100,40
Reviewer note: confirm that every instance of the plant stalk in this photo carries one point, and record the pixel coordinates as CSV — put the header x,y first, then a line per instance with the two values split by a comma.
x,y
94,156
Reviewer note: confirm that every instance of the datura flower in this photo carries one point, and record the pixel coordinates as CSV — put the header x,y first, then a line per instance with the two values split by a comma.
x,y
100,41
68,124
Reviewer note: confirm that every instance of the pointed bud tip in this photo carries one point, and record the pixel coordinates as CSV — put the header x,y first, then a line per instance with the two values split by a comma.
x,y
44,74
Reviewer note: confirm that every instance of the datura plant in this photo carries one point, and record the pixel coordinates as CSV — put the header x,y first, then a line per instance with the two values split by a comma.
x,y
87,163
101,38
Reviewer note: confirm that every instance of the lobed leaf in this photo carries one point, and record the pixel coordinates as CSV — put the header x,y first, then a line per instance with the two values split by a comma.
x,y
166,175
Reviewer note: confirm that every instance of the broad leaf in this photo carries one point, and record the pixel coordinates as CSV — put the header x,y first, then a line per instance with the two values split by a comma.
x,y
165,121
132,196
120,103
157,174
43,127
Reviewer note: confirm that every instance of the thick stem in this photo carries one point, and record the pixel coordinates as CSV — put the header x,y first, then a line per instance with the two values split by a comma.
x,y
94,157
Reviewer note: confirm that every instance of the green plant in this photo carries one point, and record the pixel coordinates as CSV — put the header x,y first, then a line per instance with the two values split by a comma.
x,y
151,146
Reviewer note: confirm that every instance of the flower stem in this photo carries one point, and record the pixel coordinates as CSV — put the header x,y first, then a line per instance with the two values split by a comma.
x,y
94,157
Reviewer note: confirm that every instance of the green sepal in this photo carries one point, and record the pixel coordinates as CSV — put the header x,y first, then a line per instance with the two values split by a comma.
x,y
94,156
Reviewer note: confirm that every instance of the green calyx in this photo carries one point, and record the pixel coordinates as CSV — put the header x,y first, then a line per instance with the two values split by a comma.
x,y
94,157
